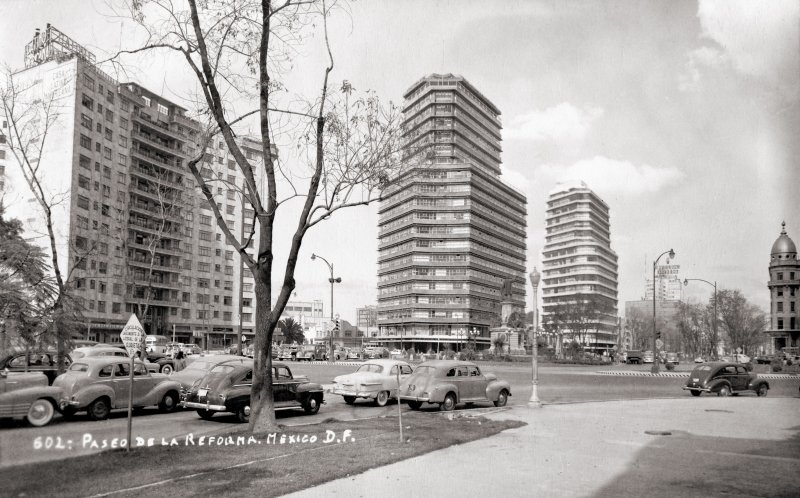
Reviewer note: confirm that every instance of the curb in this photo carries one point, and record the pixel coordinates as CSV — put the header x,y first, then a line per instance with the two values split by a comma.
x,y
774,376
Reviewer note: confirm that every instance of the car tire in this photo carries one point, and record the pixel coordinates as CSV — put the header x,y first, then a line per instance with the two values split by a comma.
x,y
166,369
382,398
502,398
415,405
724,391
696,392
243,414
169,402
311,406
762,390
40,413
99,409
449,403
349,399
205,414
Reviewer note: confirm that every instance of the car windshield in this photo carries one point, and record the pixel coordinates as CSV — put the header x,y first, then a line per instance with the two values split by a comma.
x,y
222,369
370,367
199,365
425,370
79,367
77,354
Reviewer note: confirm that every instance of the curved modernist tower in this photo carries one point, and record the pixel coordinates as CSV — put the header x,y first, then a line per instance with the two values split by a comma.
x,y
451,232
784,291
580,268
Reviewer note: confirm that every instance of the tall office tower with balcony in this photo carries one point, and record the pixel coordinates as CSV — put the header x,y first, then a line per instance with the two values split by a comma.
x,y
579,267
451,232
133,231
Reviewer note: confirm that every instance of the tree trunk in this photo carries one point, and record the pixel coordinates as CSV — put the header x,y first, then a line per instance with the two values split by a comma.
x,y
262,405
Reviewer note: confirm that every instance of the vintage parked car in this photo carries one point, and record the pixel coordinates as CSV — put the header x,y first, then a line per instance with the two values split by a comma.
x,y
27,395
340,354
199,368
227,386
189,349
724,379
35,360
288,352
355,354
312,352
672,358
100,384
375,379
450,382
647,357
699,359
116,351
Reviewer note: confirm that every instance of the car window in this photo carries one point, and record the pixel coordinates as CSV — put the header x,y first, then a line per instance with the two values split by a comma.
x,y
283,373
405,370
222,369
105,371
19,361
248,377
474,372
393,371
122,370
425,370
79,367
139,369
451,372
370,367
728,370
463,371
740,370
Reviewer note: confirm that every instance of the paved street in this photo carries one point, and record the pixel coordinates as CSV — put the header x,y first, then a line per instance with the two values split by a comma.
x,y
558,384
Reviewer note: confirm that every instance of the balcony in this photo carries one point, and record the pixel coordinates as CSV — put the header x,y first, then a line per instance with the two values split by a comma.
x,y
153,141
159,127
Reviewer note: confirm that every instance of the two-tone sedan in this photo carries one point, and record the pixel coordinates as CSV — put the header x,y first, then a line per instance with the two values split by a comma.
x,y
724,379
450,382
227,388
375,379
27,395
99,384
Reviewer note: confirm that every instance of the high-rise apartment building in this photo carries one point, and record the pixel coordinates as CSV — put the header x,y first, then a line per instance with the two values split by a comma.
x,y
451,232
133,229
784,293
579,265
669,286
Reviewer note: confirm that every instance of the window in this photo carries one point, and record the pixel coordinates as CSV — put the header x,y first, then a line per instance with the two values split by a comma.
x,y
83,182
109,116
205,251
123,123
121,177
227,300
246,302
779,305
247,317
102,267
110,96
115,307
231,195
228,254
83,202
216,284
99,127
146,101
87,101
247,287
779,276
122,159
231,164
116,289
125,105
187,264
101,306
109,135
228,270
205,220
106,152
86,121
780,323
86,142
123,141
228,285
204,267
82,222
88,82
205,235
163,109
230,209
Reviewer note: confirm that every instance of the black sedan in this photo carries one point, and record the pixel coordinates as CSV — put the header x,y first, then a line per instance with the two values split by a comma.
x,y
226,388
724,379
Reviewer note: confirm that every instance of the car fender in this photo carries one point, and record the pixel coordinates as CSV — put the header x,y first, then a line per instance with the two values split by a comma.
x,y
16,403
715,385
755,383
438,393
87,394
309,387
237,401
494,388
159,390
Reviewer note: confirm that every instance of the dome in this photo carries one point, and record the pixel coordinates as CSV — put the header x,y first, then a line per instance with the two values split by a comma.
x,y
783,244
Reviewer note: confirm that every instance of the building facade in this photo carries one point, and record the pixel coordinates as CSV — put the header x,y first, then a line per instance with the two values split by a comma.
x,y
784,291
309,314
669,286
367,320
135,233
579,267
451,231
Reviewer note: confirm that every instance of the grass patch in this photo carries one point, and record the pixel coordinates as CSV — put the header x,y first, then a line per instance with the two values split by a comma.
x,y
241,464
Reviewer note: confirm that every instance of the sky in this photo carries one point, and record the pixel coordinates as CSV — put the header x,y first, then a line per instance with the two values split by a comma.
x,y
683,116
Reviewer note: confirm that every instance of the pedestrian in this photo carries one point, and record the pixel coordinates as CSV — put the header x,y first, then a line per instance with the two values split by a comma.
x,y
180,362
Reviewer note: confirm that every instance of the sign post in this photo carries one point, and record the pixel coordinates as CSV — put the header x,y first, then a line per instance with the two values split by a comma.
x,y
133,336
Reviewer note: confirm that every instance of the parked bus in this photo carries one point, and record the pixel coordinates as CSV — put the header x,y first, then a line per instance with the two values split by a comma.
x,y
156,344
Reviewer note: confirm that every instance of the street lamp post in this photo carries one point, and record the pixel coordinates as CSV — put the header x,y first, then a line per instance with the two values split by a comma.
x,y
534,402
332,280
685,283
655,332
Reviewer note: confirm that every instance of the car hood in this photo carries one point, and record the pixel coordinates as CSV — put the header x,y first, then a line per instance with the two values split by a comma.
x,y
360,378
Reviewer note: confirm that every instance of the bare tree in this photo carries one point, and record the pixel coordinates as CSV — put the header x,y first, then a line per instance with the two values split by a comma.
x,y
743,321
640,329
579,317
32,114
237,50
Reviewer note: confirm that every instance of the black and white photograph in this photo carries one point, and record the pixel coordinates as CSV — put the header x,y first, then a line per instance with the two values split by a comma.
x,y
399,248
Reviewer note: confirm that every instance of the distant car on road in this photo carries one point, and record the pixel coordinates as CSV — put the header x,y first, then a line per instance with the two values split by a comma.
x,y
288,352
227,388
724,379
450,382
763,359
27,395
742,358
375,379
100,384
672,358
633,357
647,357
699,359
312,352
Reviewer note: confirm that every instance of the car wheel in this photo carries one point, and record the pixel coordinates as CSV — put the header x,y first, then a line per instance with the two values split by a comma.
x,y
243,414
169,402
205,414
382,398
762,390
349,399
311,406
313,358
449,403
166,369
415,405
99,409
40,413
696,393
502,398
724,391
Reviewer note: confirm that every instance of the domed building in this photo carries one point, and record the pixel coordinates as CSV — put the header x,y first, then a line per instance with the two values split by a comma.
x,y
784,289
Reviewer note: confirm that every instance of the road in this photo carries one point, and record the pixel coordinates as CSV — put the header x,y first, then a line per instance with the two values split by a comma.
x,y
557,384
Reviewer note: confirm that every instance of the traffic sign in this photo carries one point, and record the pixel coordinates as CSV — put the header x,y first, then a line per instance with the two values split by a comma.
x,y
659,343
133,336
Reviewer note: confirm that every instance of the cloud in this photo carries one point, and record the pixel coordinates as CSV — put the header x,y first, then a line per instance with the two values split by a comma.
x,y
760,38
515,179
698,60
561,122
611,176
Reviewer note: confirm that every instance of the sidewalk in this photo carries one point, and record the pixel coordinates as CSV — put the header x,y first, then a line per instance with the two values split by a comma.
x,y
573,449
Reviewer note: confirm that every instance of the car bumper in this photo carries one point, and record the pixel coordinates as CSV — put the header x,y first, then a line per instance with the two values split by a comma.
x,y
701,389
424,399
353,392
203,406
68,402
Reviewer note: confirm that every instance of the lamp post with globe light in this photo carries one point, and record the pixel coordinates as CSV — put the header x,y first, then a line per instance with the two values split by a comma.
x,y
685,283
655,367
332,280
534,402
